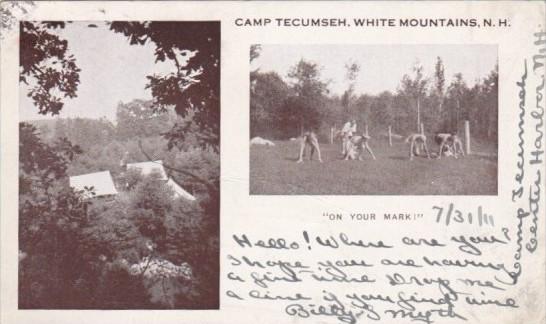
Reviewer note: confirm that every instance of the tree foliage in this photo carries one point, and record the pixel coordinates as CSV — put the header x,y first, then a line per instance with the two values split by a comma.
x,y
47,66
304,108
51,217
268,97
351,73
138,119
194,88
439,78
255,52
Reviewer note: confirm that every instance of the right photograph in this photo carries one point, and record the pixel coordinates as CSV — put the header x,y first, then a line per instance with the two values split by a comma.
x,y
373,119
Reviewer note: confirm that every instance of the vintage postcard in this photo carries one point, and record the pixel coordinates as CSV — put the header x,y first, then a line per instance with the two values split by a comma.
x,y
273,162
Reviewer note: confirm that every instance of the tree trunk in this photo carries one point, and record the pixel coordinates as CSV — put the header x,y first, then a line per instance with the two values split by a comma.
x,y
467,137
490,123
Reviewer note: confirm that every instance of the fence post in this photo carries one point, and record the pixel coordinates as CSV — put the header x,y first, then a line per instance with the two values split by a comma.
x,y
366,129
467,136
390,136
422,130
331,135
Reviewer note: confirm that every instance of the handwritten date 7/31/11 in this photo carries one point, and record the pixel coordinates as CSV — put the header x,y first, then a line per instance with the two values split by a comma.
x,y
457,215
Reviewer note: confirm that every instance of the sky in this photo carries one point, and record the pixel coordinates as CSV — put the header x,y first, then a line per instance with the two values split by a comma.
x,y
381,66
114,71
111,71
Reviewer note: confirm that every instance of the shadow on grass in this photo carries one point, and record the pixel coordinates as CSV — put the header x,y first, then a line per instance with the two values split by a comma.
x,y
292,159
399,158
484,156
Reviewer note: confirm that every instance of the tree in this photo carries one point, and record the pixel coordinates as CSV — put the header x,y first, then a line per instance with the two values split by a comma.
x,y
439,78
254,54
352,69
362,109
151,202
60,129
456,92
137,119
255,51
51,218
194,88
382,110
268,97
303,108
491,89
37,160
434,113
46,66
414,88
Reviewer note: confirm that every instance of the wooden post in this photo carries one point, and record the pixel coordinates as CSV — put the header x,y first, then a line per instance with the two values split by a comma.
x,y
331,135
457,125
366,129
467,137
418,113
422,129
390,136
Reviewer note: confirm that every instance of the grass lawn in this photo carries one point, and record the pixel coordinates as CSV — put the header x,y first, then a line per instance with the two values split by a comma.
x,y
274,171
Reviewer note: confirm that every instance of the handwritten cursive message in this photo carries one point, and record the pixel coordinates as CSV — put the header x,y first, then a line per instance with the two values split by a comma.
x,y
425,279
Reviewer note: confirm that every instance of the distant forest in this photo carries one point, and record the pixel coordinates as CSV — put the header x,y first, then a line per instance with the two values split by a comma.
x,y
137,130
281,106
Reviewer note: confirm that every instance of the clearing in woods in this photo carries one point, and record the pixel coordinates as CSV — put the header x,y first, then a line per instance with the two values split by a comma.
x,y
274,171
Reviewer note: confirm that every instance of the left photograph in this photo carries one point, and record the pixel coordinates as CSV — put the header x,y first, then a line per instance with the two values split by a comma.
x,y
119,165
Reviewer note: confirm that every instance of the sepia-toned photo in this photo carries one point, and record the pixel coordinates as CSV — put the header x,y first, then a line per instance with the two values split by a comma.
x,y
119,165
272,162
373,119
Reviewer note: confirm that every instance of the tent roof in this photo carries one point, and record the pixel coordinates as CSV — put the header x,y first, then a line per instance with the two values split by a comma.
x,y
101,182
179,191
146,168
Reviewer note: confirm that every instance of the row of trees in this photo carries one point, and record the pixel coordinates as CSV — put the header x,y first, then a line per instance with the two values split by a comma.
x,y
281,109
77,253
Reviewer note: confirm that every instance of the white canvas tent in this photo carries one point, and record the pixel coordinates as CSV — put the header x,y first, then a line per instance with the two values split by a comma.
x,y
146,168
179,191
101,182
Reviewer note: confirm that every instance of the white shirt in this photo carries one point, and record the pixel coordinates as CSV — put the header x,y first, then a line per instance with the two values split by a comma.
x,y
348,128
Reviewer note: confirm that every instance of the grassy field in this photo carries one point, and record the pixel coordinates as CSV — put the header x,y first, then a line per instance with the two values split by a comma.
x,y
274,171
